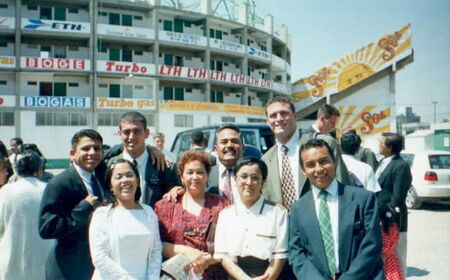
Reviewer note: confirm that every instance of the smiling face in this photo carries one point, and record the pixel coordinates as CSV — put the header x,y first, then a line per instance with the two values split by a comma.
x,y
159,143
281,121
124,183
229,147
194,177
318,166
133,136
87,154
249,181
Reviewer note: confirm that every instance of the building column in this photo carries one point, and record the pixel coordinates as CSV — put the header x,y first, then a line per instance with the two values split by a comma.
x,y
93,76
156,86
17,73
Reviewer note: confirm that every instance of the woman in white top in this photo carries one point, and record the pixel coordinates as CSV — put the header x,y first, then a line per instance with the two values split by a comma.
x,y
251,235
124,236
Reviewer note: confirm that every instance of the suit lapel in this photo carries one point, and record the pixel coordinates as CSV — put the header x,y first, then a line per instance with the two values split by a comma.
x,y
387,169
346,220
78,182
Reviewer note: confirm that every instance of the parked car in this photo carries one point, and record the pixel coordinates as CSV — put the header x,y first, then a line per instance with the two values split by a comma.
x,y
431,177
256,137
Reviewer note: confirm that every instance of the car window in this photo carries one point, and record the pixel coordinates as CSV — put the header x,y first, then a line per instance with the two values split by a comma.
x,y
249,137
183,143
439,161
409,158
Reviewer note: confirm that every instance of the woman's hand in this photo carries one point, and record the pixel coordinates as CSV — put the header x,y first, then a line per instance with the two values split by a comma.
x,y
265,276
201,263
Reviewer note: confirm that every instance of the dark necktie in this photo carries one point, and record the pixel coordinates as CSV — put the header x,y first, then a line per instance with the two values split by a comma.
x,y
287,180
96,188
227,191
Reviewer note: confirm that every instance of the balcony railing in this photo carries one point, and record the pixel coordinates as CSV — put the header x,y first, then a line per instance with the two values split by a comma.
x,y
126,31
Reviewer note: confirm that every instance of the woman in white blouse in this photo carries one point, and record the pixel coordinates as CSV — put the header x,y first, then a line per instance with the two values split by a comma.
x,y
251,235
124,236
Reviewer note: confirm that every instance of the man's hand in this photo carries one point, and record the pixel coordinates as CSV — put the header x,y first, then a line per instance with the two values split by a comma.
x,y
92,200
265,276
201,263
159,158
174,193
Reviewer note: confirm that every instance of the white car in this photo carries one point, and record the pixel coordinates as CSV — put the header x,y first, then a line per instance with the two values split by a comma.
x,y
431,177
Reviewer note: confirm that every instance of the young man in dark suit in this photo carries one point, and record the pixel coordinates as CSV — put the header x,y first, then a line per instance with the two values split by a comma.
x,y
394,177
67,203
334,229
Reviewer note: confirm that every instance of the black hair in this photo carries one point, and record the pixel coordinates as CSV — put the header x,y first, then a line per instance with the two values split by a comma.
x,y
232,127
30,147
5,163
90,133
18,140
250,161
394,141
110,196
29,163
3,149
350,143
198,138
132,117
315,143
327,111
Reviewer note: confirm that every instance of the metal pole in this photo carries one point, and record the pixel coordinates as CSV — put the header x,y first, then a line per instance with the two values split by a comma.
x,y
434,110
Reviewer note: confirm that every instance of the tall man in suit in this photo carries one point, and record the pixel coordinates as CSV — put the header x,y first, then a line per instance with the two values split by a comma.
x,y
67,203
394,177
334,229
133,132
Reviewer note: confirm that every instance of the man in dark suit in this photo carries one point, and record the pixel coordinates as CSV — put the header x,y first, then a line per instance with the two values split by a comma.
x,y
327,117
68,201
133,132
334,230
394,177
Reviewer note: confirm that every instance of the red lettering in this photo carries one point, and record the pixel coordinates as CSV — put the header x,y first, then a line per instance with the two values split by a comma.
x,y
31,62
47,63
202,73
1,101
162,70
190,74
63,63
143,69
177,71
127,68
223,76
241,78
109,65
79,64
135,68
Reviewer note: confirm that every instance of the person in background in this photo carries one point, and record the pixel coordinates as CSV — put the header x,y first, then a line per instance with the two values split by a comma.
x,y
251,235
3,149
327,117
123,235
6,170
23,251
186,223
15,145
199,143
159,141
363,154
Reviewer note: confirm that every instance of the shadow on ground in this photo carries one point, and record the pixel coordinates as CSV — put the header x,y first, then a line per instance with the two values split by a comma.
x,y
416,272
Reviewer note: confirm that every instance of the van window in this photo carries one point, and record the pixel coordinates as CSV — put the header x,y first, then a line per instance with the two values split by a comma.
x,y
439,161
182,144
249,137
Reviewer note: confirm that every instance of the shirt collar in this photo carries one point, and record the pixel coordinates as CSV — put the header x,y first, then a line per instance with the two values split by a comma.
x,y
316,129
85,175
331,190
140,159
255,208
222,169
292,143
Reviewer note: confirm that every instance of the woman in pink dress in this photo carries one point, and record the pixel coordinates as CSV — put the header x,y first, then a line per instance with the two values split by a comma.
x,y
390,235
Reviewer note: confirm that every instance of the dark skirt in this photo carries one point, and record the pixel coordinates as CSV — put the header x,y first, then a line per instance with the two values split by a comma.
x,y
252,266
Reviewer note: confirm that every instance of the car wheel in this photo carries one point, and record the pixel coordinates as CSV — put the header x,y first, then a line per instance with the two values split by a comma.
x,y
412,200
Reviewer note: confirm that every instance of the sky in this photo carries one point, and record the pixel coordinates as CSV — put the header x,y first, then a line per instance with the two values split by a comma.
x,y
326,30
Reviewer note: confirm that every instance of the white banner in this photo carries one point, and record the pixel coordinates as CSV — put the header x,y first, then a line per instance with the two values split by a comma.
x,y
7,23
7,101
57,26
182,38
7,61
227,45
126,31
125,103
125,67
258,53
55,102
55,63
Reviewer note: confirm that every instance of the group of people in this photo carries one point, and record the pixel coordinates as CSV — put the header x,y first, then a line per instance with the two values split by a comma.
x,y
302,211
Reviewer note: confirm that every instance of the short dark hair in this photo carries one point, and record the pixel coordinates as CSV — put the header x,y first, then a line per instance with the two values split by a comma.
x,y
315,143
3,149
232,127
90,133
192,155
350,143
29,163
394,141
280,99
5,163
110,197
251,161
133,116
18,140
198,138
327,111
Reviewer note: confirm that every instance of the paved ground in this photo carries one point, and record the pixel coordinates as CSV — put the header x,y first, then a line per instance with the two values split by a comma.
x,y
429,243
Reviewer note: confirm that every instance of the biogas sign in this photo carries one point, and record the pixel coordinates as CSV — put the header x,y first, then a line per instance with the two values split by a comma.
x,y
58,26
125,103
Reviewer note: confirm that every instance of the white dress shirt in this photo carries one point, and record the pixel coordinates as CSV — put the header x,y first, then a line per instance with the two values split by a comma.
x,y
316,129
294,148
333,206
86,178
363,172
384,162
222,176
141,165
260,231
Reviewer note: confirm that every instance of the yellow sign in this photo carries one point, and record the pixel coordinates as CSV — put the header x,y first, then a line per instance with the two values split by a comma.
x,y
174,105
124,103
355,67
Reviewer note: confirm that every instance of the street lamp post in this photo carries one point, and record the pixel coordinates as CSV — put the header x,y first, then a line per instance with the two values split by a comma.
x,y
434,110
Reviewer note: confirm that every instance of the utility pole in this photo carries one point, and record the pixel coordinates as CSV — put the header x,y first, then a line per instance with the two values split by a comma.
x,y
434,110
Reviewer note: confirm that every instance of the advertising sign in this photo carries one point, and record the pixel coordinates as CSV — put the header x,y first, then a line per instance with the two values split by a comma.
x,y
174,105
125,67
7,101
227,45
126,31
227,77
57,26
55,102
55,63
258,53
7,23
125,103
182,38
7,61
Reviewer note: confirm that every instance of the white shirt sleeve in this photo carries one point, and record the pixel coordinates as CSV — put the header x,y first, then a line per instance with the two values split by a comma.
x,y
155,254
372,182
281,247
220,245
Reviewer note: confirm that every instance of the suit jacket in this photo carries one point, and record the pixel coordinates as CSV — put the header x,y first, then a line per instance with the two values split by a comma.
x,y
359,237
157,182
395,181
366,155
272,189
65,216
213,180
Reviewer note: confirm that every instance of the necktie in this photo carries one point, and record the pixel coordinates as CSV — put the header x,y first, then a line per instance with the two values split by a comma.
x,y
287,180
135,163
227,185
326,232
96,189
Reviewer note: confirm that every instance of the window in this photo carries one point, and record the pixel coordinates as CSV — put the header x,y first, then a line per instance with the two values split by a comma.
x,y
184,121
60,52
249,101
228,119
179,94
138,17
178,25
114,19
168,59
168,93
7,118
60,13
45,13
102,49
61,119
113,119
102,86
167,25
217,96
74,85
114,54
46,48
187,90
45,89
3,83
178,61
139,87
103,14
32,83
60,89
3,6
127,55
127,20
3,44
32,7
114,90
138,53
72,11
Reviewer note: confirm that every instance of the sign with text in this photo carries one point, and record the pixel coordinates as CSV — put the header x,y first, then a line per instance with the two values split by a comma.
x,y
125,103
7,23
213,75
227,45
55,102
126,31
7,61
174,105
64,64
182,38
57,26
258,53
7,101
125,67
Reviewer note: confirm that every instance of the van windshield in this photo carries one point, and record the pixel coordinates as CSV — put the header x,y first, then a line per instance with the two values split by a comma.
x,y
439,161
